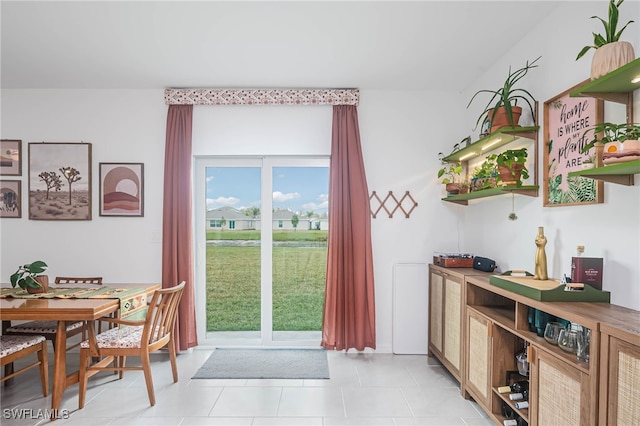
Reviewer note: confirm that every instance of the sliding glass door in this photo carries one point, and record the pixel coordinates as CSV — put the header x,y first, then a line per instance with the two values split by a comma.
x,y
261,234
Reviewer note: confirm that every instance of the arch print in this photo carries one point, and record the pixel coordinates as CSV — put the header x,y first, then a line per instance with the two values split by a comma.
x,y
122,189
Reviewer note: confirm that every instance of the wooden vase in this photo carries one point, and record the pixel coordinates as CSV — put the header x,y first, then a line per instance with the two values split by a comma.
x,y
610,57
501,119
43,280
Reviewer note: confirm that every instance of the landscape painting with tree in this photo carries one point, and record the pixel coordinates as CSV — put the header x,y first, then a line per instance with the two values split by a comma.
x,y
59,181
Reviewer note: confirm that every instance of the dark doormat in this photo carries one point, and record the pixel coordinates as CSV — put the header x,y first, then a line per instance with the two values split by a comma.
x,y
265,364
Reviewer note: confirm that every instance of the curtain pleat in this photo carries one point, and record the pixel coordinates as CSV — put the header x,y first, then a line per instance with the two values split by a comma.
x,y
177,229
349,307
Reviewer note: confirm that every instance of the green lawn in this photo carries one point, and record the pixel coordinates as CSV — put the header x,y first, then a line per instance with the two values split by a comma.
x,y
289,235
233,285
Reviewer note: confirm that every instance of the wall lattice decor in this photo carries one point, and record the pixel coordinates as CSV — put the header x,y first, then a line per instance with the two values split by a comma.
x,y
395,204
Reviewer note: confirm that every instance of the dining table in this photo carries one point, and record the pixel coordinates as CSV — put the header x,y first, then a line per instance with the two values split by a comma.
x,y
63,310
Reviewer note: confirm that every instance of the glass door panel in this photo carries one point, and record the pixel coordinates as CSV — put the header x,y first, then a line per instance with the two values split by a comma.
x,y
233,262
299,251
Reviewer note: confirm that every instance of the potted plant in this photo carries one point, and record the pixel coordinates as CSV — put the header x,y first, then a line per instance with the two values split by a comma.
x,y
451,173
589,162
464,187
611,53
484,176
618,142
511,164
28,277
502,109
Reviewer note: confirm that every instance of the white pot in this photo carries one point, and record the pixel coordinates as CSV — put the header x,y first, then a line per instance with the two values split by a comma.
x,y
610,57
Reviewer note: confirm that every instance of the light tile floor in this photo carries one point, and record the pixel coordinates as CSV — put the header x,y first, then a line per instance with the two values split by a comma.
x,y
364,389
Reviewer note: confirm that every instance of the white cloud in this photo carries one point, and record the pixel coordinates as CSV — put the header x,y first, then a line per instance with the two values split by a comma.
x,y
222,201
280,197
316,206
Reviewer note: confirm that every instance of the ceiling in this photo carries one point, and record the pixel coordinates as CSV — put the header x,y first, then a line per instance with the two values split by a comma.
x,y
262,44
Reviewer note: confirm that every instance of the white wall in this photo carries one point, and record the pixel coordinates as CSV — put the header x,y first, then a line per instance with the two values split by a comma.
x,y
610,230
402,132
122,126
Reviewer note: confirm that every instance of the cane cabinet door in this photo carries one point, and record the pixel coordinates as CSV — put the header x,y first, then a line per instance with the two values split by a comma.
x,y
478,380
561,395
436,298
453,321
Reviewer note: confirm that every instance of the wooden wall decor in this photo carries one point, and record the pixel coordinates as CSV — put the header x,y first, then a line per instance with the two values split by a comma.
x,y
391,199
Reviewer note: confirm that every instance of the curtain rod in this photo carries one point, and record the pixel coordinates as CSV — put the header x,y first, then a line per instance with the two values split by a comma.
x,y
262,96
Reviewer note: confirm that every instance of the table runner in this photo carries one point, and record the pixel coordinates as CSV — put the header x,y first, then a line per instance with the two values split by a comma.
x,y
133,301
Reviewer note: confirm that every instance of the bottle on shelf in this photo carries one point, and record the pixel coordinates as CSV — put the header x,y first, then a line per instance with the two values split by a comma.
x,y
520,386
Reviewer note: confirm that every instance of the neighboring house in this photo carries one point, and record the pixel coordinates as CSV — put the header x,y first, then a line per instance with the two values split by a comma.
x,y
281,219
230,218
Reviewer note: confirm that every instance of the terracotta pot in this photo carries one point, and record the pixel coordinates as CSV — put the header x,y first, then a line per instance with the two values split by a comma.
x,y
452,188
43,280
501,120
610,57
511,176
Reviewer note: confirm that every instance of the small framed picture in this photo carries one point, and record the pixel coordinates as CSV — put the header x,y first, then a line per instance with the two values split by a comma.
x,y
122,189
10,198
11,157
59,181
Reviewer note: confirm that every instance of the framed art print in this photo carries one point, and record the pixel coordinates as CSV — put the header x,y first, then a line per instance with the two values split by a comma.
x,y
59,181
122,189
10,198
10,157
568,127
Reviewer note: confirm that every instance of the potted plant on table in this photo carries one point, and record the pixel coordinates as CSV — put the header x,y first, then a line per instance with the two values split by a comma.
x,y
511,165
615,143
611,53
502,109
29,277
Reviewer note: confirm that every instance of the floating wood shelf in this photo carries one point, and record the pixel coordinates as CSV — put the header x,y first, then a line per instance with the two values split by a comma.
x,y
528,190
493,140
621,173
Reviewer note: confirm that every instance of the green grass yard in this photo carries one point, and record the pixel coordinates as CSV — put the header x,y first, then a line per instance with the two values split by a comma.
x,y
233,284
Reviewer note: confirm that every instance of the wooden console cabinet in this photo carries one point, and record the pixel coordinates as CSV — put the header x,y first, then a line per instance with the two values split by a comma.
x,y
562,390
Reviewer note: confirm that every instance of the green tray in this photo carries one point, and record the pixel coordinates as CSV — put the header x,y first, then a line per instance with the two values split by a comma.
x,y
548,290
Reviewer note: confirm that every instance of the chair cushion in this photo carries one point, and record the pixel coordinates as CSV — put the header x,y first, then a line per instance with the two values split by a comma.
x,y
13,343
42,327
129,337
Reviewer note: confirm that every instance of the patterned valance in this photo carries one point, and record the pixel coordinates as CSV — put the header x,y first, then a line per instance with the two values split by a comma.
x,y
261,96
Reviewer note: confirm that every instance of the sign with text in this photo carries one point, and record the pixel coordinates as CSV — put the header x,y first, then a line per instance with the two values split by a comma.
x,y
568,128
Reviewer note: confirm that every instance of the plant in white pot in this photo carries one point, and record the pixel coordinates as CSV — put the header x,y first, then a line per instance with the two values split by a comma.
x,y
29,277
611,53
502,109
618,142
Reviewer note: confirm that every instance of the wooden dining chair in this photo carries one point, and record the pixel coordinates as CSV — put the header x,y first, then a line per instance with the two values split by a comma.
x,y
13,348
133,338
48,328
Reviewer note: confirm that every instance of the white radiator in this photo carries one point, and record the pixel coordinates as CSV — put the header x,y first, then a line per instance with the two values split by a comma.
x,y
410,308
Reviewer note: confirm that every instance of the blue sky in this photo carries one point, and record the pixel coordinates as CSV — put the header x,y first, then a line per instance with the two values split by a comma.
x,y
299,189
